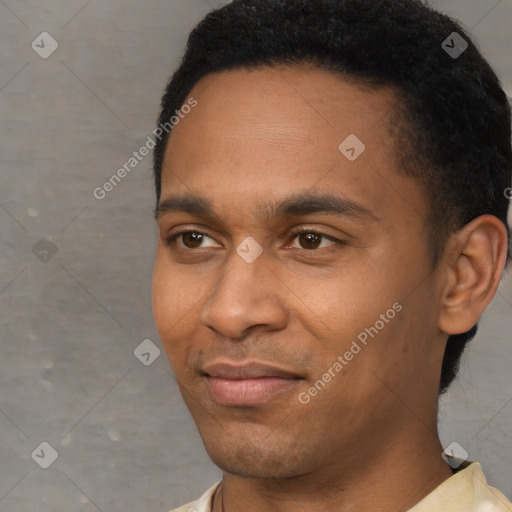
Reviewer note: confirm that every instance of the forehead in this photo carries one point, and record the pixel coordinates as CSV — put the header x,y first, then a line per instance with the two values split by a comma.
x,y
262,131
285,104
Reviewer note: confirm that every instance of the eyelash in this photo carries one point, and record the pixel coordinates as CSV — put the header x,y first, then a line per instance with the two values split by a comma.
x,y
169,241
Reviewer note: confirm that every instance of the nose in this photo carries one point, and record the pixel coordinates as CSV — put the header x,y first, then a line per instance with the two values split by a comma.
x,y
246,295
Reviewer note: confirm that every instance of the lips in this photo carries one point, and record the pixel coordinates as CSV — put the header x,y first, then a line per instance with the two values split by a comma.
x,y
246,371
248,384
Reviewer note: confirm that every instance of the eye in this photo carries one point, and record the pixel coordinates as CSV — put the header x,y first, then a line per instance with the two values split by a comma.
x,y
189,239
311,240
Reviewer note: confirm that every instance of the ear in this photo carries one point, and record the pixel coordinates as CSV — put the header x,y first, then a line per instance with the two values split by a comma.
x,y
476,260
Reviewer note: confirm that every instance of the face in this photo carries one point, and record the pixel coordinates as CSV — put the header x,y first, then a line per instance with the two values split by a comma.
x,y
292,286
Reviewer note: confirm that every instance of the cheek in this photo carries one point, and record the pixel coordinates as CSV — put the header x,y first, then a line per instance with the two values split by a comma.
x,y
337,303
161,298
177,295
172,300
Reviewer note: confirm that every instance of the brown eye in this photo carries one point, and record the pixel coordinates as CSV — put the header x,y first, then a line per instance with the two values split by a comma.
x,y
189,240
310,240
192,239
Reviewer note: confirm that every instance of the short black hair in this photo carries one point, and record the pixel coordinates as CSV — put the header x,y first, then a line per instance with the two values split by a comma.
x,y
452,121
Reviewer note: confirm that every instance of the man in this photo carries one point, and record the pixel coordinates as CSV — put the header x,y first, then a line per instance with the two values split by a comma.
x,y
333,222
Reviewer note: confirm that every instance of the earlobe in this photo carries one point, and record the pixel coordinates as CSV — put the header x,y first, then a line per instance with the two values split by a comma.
x,y
473,273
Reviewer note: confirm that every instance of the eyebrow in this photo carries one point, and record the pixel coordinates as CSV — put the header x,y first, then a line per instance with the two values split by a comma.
x,y
301,204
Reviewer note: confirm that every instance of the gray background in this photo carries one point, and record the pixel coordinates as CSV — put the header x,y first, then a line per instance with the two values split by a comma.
x,y
70,321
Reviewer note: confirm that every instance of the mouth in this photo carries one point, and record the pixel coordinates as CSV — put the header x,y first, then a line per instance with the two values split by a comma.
x,y
248,384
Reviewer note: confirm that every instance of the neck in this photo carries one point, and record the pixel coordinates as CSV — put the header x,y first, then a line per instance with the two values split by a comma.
x,y
394,481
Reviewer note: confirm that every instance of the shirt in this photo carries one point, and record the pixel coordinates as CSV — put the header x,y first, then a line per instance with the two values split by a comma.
x,y
465,491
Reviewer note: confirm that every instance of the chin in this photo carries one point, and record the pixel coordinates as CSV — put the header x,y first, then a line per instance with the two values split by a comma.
x,y
260,467
249,458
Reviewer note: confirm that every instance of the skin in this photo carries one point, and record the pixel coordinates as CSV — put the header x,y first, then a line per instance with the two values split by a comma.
x,y
259,136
